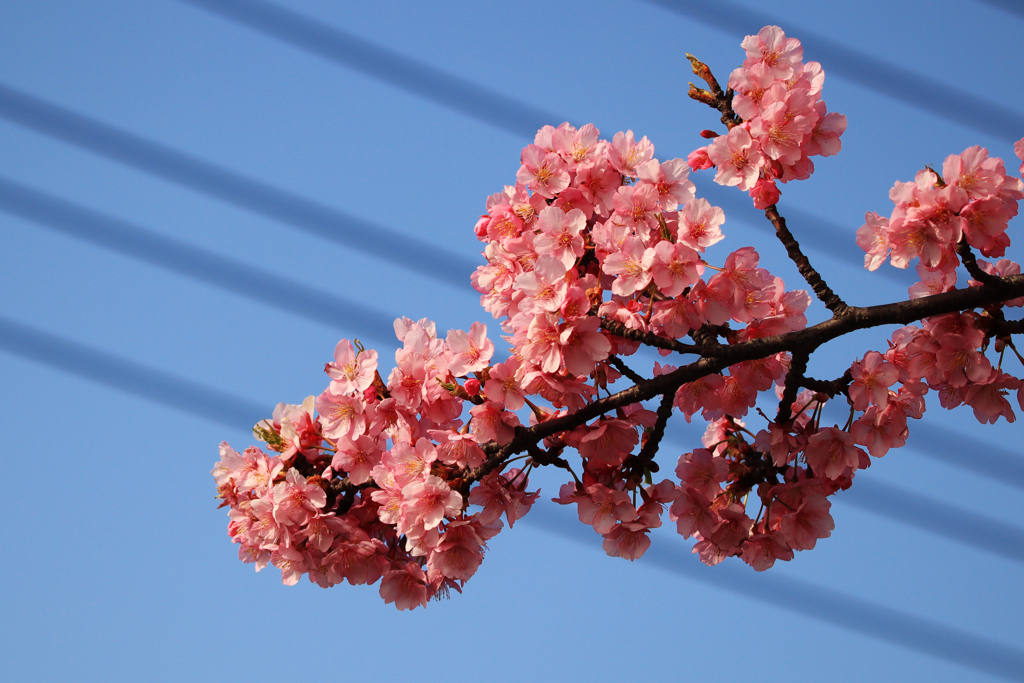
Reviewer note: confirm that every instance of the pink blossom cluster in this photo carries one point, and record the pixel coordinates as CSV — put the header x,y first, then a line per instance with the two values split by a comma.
x,y
598,227
972,201
366,483
810,462
784,121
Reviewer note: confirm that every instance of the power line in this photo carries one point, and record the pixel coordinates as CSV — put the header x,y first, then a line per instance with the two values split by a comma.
x,y
814,232
461,95
338,226
128,376
515,116
955,523
790,594
1013,7
234,188
864,69
448,90
192,262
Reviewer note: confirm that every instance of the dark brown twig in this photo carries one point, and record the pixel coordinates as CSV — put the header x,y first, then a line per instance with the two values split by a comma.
x,y
648,338
821,289
625,369
963,249
657,433
797,368
830,388
715,98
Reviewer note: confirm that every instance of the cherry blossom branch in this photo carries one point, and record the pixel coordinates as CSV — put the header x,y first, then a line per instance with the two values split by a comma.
x,y
817,283
707,337
1005,327
805,341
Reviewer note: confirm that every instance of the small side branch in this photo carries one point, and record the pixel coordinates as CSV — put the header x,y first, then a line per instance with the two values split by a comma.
x,y
657,433
963,249
795,376
830,388
821,289
625,369
713,97
648,338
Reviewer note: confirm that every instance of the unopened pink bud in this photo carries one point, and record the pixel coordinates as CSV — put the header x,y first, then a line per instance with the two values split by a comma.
x,y
708,134
472,387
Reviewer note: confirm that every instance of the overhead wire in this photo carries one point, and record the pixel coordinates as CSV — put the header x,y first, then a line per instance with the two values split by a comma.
x,y
145,245
825,605
345,48
381,242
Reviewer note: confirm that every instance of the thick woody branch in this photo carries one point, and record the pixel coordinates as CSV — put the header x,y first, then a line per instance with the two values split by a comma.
x,y
1005,327
806,340
821,289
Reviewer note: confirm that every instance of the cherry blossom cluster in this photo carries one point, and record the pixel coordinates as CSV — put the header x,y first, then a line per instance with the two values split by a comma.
x,y
972,201
597,250
366,483
779,120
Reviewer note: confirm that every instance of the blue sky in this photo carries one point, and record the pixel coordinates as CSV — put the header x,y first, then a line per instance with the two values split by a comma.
x,y
195,211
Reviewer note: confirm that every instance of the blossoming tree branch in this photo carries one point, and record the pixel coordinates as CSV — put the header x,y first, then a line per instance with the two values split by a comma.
x,y
599,249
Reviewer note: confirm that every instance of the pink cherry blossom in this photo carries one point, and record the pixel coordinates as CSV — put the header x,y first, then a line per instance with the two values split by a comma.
x,y
772,48
427,501
872,378
470,352
671,181
831,452
405,586
561,234
543,172
351,373
699,224
738,158
626,154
